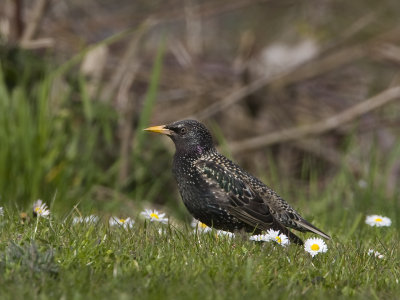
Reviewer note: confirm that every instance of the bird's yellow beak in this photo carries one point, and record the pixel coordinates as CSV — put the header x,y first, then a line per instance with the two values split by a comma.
x,y
159,129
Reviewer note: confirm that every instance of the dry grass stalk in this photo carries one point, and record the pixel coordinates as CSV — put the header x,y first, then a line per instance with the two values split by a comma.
x,y
320,127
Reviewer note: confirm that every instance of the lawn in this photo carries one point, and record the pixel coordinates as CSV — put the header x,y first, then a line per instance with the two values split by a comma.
x,y
59,258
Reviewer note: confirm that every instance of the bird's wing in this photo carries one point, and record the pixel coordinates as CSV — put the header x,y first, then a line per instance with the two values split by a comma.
x,y
284,213
239,198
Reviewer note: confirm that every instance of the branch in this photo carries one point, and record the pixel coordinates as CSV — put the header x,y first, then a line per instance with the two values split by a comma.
x,y
128,60
319,127
308,70
37,14
38,43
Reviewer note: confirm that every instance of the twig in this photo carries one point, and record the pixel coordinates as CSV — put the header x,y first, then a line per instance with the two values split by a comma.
x,y
181,54
206,10
38,43
320,127
127,59
193,28
37,14
390,52
355,28
303,72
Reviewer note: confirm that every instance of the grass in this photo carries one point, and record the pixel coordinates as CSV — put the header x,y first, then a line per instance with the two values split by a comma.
x,y
53,258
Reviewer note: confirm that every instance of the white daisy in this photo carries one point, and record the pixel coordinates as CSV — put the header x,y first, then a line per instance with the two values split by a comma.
x,y
200,227
372,252
1,211
154,216
378,221
88,219
315,246
126,223
40,209
276,236
225,233
260,238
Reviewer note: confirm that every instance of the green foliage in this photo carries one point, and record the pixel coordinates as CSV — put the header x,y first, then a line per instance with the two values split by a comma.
x,y
28,259
45,144
57,142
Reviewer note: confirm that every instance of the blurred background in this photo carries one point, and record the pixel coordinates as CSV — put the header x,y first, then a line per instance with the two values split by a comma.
x,y
304,94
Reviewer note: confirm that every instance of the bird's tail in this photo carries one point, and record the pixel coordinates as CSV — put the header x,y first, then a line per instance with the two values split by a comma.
x,y
306,226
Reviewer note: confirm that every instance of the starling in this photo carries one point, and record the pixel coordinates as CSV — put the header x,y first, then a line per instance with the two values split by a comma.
x,y
222,195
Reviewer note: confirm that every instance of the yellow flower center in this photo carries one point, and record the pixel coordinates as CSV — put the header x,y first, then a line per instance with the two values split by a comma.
x,y
122,221
153,215
38,210
314,247
278,239
378,220
202,225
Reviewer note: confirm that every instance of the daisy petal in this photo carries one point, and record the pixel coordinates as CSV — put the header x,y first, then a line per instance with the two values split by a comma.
x,y
315,246
276,236
40,209
200,227
378,221
154,216
125,223
260,238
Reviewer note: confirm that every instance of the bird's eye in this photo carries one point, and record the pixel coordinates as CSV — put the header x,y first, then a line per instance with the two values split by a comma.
x,y
182,130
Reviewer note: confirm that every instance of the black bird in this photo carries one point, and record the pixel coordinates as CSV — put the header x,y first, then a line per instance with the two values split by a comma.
x,y
222,195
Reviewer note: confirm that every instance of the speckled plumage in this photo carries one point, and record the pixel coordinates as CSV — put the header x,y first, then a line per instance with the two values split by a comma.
x,y
219,193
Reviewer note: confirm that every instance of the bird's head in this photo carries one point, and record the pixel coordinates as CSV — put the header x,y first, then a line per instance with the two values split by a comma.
x,y
189,136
